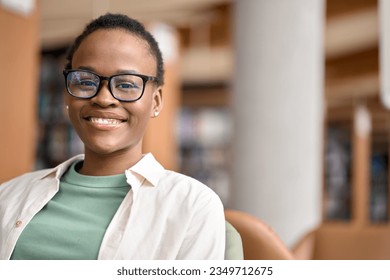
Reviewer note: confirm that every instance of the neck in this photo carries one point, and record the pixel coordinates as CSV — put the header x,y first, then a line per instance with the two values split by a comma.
x,y
106,165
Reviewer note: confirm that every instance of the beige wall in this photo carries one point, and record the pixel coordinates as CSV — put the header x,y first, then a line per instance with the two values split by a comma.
x,y
19,54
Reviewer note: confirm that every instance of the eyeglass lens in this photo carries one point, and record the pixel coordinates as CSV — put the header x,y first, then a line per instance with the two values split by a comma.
x,y
84,84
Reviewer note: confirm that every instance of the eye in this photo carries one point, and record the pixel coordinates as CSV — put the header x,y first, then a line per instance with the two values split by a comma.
x,y
87,83
127,86
127,83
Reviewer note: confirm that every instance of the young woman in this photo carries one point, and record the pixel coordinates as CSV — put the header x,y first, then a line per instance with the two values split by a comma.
x,y
113,202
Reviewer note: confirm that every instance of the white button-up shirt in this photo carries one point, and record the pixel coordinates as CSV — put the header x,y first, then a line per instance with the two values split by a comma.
x,y
165,215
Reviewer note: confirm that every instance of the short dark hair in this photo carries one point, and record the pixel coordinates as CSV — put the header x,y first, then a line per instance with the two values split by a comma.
x,y
119,21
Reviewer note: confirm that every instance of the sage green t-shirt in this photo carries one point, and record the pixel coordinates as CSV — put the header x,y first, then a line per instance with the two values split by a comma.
x,y
72,225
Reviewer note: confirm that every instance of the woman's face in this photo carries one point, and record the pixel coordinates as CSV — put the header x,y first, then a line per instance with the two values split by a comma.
x,y
106,125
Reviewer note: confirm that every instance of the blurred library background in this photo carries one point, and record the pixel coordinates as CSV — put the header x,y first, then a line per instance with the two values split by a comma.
x,y
279,106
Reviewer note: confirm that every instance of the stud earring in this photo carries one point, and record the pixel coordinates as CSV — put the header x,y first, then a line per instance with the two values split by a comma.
x,y
155,113
67,107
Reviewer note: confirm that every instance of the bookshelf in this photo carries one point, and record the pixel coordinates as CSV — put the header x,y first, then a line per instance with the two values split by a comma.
x,y
338,168
204,136
379,182
356,166
57,139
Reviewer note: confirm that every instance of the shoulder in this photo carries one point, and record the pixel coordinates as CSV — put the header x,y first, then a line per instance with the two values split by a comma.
x,y
169,187
187,188
31,177
182,181
26,177
20,185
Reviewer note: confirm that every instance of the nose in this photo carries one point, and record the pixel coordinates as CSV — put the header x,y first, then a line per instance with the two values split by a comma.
x,y
104,98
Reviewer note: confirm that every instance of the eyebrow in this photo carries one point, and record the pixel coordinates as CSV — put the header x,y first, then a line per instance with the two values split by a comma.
x,y
116,73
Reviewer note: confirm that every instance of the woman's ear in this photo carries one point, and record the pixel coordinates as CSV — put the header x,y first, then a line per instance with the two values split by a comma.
x,y
157,103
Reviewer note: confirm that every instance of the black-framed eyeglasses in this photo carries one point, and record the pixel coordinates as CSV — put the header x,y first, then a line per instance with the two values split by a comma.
x,y
123,87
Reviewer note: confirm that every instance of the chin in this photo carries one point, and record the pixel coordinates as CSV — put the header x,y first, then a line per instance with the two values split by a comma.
x,y
106,149
102,149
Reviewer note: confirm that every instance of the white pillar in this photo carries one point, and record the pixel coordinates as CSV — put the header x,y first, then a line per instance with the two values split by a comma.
x,y
278,113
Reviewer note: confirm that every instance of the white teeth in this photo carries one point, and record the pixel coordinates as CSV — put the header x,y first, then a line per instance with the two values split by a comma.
x,y
105,121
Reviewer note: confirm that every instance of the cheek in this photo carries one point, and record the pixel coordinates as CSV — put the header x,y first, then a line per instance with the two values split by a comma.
x,y
141,117
140,109
73,110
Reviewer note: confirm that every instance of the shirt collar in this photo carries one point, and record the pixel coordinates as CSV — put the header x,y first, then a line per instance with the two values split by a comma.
x,y
59,170
147,168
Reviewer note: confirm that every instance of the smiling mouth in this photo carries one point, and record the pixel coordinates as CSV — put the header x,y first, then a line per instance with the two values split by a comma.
x,y
105,121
